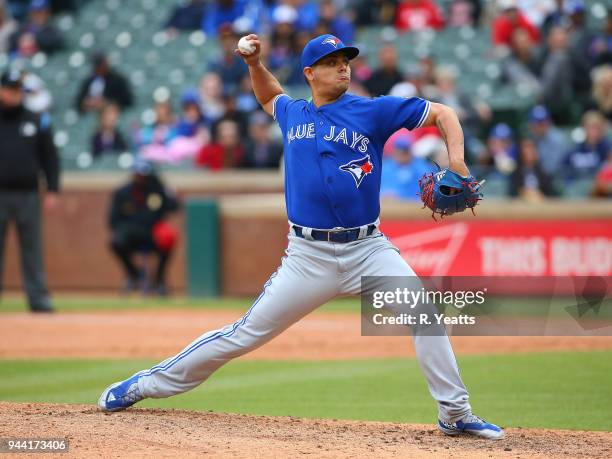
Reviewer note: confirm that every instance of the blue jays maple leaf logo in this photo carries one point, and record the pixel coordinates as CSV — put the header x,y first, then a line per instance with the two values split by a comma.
x,y
332,41
358,169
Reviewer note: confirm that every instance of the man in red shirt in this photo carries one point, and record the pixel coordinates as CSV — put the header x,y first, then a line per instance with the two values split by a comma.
x,y
415,15
509,19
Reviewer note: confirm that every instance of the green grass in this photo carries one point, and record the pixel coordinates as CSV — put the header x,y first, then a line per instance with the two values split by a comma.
x,y
557,390
503,306
89,303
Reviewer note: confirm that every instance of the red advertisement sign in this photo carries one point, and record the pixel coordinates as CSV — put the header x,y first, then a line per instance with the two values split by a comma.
x,y
505,247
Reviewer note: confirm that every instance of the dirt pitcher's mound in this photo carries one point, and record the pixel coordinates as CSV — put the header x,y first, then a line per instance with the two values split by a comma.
x,y
175,433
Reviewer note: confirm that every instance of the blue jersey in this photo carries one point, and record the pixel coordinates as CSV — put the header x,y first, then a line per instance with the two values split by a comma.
x,y
333,155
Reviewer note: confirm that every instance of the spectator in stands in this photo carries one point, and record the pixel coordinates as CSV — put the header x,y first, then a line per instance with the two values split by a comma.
x,y
580,39
104,85
180,141
230,112
601,46
401,172
153,139
302,39
501,150
529,181
220,13
185,17
556,77
108,139
48,38
521,66
226,151
211,95
387,74
602,91
261,152
162,129
334,22
307,11
472,113
8,26
228,65
284,56
425,75
25,48
138,222
37,98
549,140
191,130
602,187
510,19
360,69
536,11
588,156
245,98
191,122
19,9
360,73
465,13
417,15
556,17
375,12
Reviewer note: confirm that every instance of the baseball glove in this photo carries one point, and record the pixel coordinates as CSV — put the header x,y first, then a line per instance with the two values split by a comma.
x,y
446,192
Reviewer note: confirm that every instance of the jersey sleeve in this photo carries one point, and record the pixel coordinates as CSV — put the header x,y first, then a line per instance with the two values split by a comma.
x,y
398,112
280,110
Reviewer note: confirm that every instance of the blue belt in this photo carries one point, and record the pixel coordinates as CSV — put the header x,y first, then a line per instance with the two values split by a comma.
x,y
341,236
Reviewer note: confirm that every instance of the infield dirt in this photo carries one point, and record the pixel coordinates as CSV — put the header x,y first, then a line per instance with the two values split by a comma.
x,y
160,334
174,433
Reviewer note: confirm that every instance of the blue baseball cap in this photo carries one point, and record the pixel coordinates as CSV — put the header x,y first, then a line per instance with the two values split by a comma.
x,y
190,96
402,143
37,5
501,131
141,166
538,114
324,45
574,7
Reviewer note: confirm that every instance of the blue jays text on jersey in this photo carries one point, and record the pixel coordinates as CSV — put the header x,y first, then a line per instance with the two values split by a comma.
x,y
333,155
356,140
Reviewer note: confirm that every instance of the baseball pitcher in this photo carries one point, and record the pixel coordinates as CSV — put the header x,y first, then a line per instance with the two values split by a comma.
x,y
333,148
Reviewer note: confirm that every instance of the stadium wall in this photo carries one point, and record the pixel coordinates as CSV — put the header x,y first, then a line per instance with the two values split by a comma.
x,y
253,229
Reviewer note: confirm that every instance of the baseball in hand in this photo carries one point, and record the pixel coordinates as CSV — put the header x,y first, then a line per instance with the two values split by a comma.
x,y
246,46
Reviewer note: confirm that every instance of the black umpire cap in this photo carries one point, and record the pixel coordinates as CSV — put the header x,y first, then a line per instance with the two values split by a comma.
x,y
11,79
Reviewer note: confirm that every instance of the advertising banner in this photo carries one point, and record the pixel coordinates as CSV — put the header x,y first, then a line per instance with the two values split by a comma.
x,y
505,247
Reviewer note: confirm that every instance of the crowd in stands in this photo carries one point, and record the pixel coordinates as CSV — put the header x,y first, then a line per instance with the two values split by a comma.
x,y
33,33
547,46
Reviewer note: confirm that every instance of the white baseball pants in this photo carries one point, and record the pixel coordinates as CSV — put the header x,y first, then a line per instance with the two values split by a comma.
x,y
311,273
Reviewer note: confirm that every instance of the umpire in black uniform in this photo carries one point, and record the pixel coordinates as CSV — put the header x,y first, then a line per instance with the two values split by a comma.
x,y
26,151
